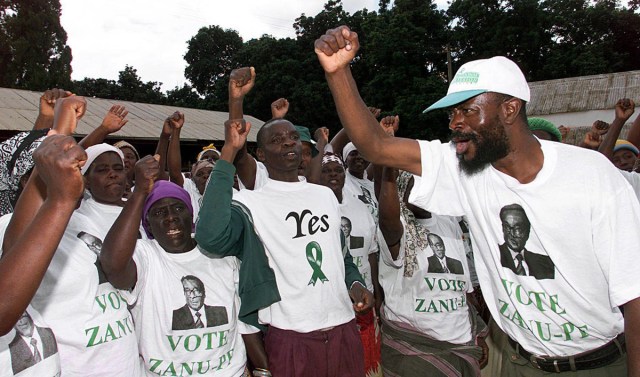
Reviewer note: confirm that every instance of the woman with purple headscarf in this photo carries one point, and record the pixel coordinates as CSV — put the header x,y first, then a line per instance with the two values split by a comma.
x,y
184,303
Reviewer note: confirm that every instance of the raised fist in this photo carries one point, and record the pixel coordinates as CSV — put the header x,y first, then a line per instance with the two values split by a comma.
x,y
241,81
336,48
58,160
279,108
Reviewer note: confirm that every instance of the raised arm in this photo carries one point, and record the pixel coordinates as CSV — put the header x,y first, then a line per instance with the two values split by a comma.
x,y
240,83
47,105
174,157
67,113
314,170
44,219
163,146
389,211
335,50
279,108
217,230
112,122
624,109
116,256
341,139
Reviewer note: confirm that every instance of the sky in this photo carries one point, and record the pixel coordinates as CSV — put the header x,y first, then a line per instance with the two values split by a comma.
x,y
152,35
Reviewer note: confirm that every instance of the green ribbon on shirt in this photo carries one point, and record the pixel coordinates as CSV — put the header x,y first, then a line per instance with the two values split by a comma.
x,y
316,263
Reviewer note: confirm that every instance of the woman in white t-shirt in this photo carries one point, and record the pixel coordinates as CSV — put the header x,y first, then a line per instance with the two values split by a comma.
x,y
93,327
185,304
360,232
28,345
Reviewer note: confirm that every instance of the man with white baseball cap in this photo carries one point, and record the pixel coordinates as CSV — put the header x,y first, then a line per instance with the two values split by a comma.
x,y
570,324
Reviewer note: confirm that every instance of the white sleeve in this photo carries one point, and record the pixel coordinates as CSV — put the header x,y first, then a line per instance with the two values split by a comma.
x,y
616,219
261,177
438,189
634,180
385,254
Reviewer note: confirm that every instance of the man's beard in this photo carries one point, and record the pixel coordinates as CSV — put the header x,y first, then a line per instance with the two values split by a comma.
x,y
493,146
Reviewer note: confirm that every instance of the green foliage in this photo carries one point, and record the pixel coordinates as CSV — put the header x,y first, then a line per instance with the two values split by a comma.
x,y
33,50
400,68
129,87
209,57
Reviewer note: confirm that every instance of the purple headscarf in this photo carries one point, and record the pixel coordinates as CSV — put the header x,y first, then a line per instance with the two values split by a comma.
x,y
164,189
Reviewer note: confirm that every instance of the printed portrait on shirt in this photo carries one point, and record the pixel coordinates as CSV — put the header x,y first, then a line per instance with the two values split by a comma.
x,y
513,253
31,344
439,262
353,241
195,313
94,244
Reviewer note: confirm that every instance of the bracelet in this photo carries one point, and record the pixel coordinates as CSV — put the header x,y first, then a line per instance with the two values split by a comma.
x,y
259,372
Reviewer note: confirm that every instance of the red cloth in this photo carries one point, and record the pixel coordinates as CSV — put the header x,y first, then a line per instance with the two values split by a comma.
x,y
371,343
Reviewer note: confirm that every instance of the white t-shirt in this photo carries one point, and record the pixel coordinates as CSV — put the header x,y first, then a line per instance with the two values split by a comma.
x,y
583,236
169,341
194,194
299,226
433,302
17,353
363,190
29,356
4,223
362,240
103,216
634,180
262,175
93,327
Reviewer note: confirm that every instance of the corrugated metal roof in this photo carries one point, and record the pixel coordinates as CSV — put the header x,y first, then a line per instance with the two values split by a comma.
x,y
19,110
575,94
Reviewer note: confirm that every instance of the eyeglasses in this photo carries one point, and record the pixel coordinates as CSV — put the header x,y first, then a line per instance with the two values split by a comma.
x,y
194,291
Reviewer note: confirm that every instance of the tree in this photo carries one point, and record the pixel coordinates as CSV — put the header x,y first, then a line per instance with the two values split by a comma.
x,y
132,88
185,97
209,57
129,87
405,61
33,50
518,29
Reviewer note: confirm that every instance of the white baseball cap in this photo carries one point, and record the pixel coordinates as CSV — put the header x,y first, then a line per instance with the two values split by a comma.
x,y
498,75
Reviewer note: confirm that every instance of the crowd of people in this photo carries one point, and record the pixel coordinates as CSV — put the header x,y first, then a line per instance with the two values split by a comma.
x,y
503,252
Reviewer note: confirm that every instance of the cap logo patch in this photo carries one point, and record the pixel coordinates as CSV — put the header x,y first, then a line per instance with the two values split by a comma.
x,y
466,78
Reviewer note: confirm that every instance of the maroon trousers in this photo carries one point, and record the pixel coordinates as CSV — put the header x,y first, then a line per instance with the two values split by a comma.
x,y
332,353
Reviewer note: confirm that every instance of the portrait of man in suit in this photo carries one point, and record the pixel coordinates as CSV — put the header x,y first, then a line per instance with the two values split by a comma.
x,y
513,254
31,345
354,242
94,244
439,262
195,314
366,197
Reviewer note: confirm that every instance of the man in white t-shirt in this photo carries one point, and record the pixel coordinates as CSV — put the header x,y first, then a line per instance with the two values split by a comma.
x,y
298,226
587,228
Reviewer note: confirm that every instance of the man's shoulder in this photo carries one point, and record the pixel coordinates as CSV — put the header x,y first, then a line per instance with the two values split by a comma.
x,y
181,310
16,339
